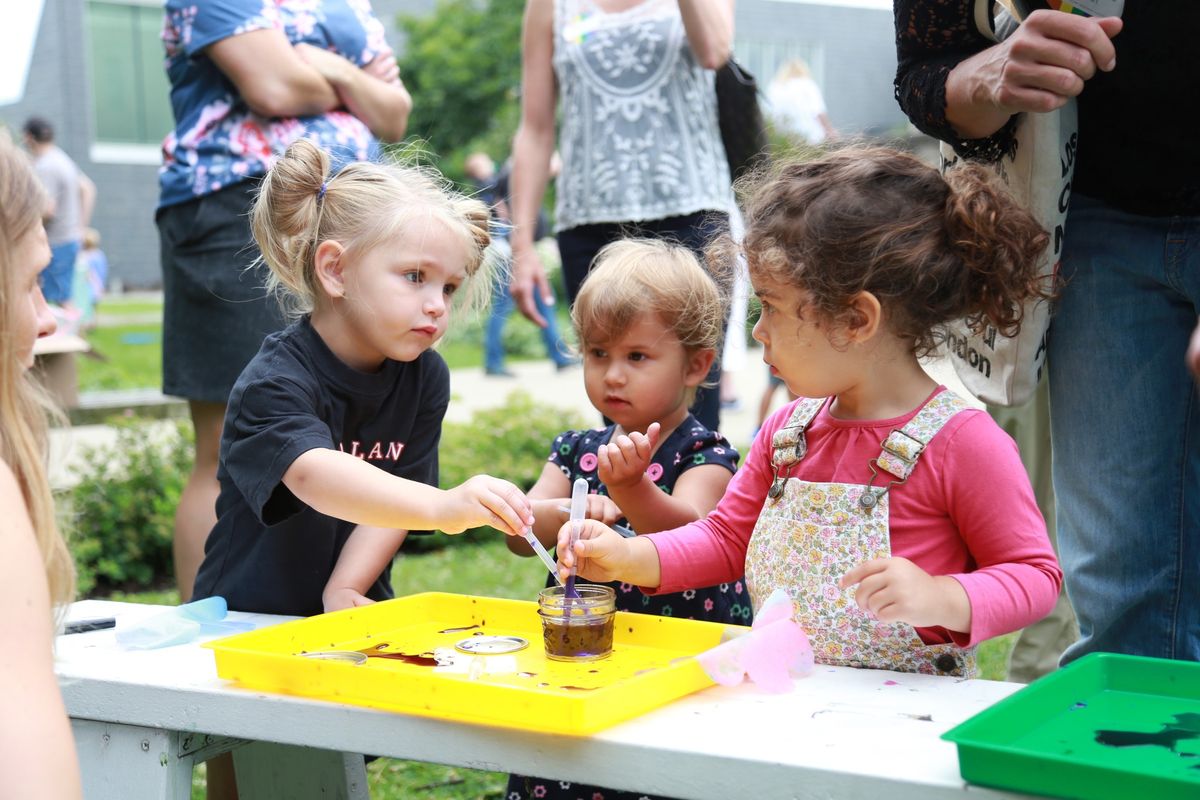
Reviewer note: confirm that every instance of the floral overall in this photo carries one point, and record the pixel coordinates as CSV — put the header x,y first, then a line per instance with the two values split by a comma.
x,y
810,534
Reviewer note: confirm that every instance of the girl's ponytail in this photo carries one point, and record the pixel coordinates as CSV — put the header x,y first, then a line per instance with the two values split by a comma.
x,y
1000,245
286,219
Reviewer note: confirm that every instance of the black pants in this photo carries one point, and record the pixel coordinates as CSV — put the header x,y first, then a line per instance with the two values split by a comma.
x,y
578,247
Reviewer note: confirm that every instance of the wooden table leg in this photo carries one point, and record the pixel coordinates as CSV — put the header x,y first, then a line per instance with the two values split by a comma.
x,y
123,761
267,770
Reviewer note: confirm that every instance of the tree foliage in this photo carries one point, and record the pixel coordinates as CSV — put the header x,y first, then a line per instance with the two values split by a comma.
x,y
462,65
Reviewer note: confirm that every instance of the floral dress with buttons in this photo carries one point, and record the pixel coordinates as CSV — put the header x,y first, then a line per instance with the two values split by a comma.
x,y
689,445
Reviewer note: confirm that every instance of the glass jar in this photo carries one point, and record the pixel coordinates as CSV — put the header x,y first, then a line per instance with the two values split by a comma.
x,y
581,628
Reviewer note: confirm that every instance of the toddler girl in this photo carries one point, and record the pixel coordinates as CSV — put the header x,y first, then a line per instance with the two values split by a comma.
x,y
899,518
329,453
649,319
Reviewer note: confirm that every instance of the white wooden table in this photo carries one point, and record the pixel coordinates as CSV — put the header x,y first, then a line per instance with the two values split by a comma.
x,y
141,718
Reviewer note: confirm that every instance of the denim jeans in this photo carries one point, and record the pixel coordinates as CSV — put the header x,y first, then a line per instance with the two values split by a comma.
x,y
59,274
1126,431
502,306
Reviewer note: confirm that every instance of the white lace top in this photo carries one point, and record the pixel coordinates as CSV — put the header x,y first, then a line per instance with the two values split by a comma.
x,y
638,129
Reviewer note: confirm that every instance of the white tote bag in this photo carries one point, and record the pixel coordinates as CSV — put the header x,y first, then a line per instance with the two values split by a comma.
x,y
998,369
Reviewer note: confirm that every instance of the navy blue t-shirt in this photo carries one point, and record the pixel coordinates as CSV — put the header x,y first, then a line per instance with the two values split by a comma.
x,y
269,552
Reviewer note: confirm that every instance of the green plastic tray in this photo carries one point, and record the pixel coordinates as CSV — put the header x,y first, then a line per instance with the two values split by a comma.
x,y
1106,726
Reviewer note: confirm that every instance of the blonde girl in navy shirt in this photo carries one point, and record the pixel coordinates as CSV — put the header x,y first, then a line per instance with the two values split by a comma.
x,y
329,453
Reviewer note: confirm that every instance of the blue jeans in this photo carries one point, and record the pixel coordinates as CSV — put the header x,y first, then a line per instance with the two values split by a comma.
x,y
59,275
502,306
1126,431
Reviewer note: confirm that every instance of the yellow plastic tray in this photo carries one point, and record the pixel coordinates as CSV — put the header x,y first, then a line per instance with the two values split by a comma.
x,y
650,665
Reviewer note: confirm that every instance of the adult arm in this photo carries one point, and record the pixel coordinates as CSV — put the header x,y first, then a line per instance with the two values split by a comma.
x,y
709,28
532,148
87,200
37,751
382,103
367,553
270,75
973,110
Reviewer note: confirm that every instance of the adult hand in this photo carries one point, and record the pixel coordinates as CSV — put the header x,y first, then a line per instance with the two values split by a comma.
x,y
623,461
484,500
1042,65
1048,59
384,67
897,590
599,555
337,599
1193,352
528,277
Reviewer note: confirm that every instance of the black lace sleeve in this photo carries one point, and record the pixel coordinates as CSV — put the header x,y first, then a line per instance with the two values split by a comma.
x,y
932,36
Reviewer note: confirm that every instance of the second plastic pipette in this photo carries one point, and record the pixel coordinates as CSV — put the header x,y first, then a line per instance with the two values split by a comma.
x,y
579,492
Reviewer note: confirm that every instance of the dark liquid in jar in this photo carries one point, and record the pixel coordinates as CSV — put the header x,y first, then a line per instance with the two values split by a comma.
x,y
578,640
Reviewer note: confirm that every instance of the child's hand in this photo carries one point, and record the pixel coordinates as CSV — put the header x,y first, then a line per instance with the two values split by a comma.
x,y
337,599
603,509
897,590
484,500
599,553
624,460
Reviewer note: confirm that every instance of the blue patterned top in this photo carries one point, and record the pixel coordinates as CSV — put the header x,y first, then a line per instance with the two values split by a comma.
x,y
218,141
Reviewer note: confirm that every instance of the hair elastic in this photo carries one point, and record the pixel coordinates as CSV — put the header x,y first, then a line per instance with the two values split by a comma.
x,y
321,191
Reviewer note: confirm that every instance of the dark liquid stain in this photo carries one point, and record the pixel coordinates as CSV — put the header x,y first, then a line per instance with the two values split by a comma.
x,y
579,688
577,640
1186,726
459,630
422,660
593,671
526,674
477,633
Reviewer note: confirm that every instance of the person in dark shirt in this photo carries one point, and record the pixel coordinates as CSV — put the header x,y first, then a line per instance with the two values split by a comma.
x,y
1124,411
329,452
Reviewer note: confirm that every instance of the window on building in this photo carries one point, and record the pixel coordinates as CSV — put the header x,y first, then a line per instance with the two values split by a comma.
x,y
130,92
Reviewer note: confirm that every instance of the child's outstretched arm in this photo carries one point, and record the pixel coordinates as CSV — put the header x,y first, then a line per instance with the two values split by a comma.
x,y
602,554
367,553
340,485
622,468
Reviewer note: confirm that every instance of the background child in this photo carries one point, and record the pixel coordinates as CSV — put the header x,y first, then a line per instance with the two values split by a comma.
x,y
329,453
37,751
648,318
902,557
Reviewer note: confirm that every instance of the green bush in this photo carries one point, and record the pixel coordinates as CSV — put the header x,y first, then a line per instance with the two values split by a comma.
x,y
123,508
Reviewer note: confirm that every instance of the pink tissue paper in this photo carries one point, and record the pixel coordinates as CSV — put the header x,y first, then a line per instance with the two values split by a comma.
x,y
774,651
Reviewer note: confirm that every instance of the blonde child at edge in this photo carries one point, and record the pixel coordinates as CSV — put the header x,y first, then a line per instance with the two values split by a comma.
x,y
902,556
649,320
37,751
329,453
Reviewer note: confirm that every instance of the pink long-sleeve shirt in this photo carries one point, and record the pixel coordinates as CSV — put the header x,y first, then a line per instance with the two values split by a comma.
x,y
967,511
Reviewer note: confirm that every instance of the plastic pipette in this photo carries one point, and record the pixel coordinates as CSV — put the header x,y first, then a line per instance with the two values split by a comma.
x,y
542,554
579,492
